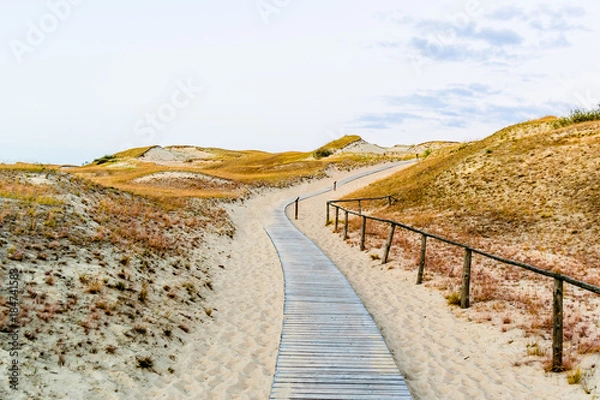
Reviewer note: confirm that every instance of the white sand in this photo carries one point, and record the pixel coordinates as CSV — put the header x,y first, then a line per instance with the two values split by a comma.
x,y
234,355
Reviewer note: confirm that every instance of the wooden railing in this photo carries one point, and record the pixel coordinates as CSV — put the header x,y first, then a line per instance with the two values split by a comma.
x,y
559,279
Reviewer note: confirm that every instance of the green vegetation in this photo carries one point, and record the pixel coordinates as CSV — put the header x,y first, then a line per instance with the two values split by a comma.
x,y
322,153
578,115
104,159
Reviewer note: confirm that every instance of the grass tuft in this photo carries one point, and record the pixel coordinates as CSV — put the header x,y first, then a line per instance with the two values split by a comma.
x,y
145,362
453,299
575,376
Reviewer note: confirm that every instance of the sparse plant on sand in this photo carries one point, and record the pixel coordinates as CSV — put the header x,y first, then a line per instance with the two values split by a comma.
x,y
575,376
453,299
95,286
84,278
535,350
145,362
143,294
121,286
140,329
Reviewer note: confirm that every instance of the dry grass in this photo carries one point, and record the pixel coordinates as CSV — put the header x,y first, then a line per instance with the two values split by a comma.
x,y
93,257
530,192
239,171
145,362
134,153
453,299
575,377
338,144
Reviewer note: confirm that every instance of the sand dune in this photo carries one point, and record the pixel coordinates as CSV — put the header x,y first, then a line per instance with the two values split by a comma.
x,y
441,353
232,354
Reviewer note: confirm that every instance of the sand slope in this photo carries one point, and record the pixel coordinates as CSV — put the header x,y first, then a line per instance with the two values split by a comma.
x,y
442,355
232,353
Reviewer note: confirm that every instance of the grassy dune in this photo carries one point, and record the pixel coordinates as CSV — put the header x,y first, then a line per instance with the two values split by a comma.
x,y
234,172
530,192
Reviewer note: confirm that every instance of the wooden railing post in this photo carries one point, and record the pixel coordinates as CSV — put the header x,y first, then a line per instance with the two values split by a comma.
x,y
389,200
346,225
337,218
327,215
334,186
359,208
296,210
388,244
422,259
466,282
557,326
363,233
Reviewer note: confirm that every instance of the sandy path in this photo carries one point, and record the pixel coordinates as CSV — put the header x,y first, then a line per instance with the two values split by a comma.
x,y
233,356
441,355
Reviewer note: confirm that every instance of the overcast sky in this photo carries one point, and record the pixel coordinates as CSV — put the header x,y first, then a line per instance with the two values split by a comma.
x,y
84,78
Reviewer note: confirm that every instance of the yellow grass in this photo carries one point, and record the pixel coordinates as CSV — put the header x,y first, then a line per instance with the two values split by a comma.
x,y
134,153
340,143
27,167
241,169
529,192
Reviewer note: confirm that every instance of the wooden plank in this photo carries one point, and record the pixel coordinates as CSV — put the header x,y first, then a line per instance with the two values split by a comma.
x,y
330,347
388,244
466,281
422,259
557,326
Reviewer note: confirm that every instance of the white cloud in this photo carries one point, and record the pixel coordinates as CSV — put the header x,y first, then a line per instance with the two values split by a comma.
x,y
392,71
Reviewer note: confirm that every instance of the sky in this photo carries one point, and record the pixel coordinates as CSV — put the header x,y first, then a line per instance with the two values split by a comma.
x,y
83,78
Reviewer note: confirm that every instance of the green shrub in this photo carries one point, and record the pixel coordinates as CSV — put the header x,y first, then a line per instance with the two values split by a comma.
x,y
577,116
104,160
322,153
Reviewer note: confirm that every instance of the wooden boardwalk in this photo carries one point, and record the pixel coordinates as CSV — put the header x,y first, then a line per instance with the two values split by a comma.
x,y
330,346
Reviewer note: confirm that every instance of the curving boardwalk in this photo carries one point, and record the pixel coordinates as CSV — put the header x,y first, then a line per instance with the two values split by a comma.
x,y
330,346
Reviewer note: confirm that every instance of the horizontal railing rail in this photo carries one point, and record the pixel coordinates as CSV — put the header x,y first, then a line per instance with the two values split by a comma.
x,y
559,279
